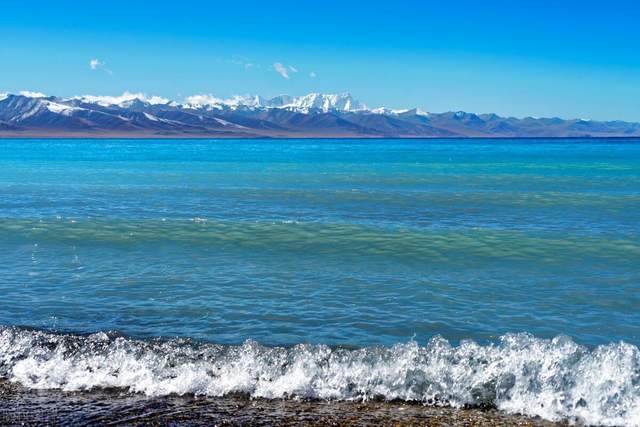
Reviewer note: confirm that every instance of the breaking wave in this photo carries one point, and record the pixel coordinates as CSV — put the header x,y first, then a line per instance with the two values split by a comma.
x,y
556,379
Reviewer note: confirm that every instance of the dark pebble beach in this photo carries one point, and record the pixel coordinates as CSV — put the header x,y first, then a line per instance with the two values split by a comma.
x,y
21,406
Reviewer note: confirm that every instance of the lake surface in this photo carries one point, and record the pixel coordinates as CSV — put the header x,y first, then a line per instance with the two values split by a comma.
x,y
350,243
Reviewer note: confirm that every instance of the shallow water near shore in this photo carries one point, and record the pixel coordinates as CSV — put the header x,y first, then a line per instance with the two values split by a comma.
x,y
368,262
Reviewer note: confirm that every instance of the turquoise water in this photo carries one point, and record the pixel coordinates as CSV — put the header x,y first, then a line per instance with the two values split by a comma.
x,y
353,243
489,272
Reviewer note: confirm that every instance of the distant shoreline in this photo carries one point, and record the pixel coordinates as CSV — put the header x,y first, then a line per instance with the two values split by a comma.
x,y
108,136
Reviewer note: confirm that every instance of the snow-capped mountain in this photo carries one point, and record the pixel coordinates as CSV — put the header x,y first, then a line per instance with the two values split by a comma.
x,y
312,115
303,104
325,103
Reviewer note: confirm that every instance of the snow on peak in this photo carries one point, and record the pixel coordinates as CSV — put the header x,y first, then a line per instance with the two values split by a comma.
x,y
3,96
30,94
203,100
281,101
384,111
123,100
246,101
208,100
389,112
58,108
318,101
413,112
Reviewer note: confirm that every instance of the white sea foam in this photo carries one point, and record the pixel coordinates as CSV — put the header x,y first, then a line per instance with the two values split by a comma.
x,y
555,379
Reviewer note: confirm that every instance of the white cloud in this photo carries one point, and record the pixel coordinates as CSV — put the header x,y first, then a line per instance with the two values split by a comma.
x,y
203,99
96,64
282,70
292,68
312,74
30,94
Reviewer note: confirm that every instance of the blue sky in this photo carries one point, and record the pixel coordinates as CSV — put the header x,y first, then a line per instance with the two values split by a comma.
x,y
544,58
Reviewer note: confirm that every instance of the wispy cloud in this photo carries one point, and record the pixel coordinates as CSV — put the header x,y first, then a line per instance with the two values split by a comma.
x,y
282,70
313,74
96,64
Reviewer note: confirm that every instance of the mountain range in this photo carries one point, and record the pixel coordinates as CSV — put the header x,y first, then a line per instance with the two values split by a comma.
x,y
30,114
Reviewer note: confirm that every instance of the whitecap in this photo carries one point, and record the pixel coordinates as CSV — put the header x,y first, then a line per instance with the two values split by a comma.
x,y
555,379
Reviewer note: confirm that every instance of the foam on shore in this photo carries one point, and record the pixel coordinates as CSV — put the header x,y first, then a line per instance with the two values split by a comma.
x,y
555,379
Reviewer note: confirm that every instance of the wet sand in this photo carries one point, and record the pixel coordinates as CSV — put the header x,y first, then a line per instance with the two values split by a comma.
x,y
20,406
